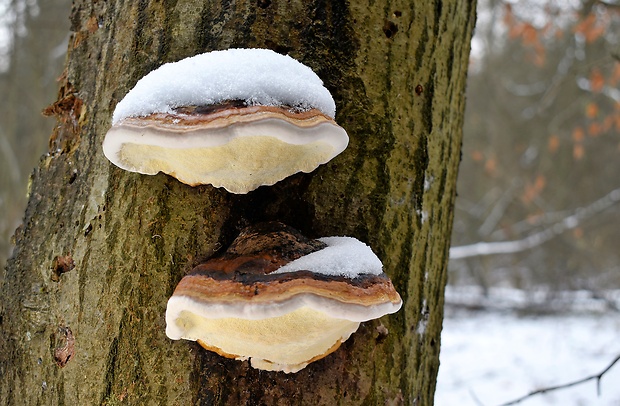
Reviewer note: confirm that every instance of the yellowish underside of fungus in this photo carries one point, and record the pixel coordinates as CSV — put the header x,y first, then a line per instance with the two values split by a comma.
x,y
284,343
233,165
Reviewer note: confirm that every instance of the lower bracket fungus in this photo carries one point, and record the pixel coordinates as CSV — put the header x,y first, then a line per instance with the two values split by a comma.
x,y
280,299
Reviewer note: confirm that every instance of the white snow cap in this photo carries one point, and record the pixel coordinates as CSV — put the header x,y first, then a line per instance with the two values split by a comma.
x,y
343,256
257,76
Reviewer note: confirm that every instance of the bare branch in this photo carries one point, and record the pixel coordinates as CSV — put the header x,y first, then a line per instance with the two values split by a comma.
x,y
611,92
498,210
596,377
609,4
536,239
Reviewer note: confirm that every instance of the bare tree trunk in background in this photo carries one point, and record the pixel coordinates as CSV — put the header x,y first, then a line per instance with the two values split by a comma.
x,y
95,334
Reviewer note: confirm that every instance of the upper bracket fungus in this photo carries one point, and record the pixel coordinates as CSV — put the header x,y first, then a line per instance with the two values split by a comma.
x,y
280,299
236,119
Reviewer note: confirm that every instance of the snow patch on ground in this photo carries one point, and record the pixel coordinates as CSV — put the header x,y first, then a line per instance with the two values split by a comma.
x,y
493,357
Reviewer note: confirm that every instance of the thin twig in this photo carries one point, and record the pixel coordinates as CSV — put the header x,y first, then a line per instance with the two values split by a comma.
x,y
598,378
475,398
480,249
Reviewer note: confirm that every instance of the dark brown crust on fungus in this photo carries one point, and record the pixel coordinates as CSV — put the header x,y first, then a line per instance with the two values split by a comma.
x,y
243,272
369,291
190,118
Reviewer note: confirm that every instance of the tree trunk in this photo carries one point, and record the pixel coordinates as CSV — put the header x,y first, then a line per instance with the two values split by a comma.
x,y
94,333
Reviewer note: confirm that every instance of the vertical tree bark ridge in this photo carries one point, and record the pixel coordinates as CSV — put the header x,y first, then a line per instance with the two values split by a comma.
x,y
133,237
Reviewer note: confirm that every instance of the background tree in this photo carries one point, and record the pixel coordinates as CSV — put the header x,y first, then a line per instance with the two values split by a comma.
x,y
33,42
542,146
100,249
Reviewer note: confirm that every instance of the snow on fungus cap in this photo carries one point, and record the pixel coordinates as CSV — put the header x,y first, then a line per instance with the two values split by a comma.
x,y
236,119
239,306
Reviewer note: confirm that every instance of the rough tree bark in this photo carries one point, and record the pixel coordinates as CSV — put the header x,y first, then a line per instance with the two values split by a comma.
x,y
94,333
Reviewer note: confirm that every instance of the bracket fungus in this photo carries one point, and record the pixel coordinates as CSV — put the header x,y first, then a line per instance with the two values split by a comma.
x,y
236,119
280,299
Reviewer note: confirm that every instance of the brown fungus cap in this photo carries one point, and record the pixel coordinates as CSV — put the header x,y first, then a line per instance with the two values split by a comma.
x,y
245,304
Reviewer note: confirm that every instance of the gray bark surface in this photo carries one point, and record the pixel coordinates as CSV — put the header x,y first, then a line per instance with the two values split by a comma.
x,y
94,333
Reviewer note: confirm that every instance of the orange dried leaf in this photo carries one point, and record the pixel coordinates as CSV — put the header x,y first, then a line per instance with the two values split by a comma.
x,y
578,134
591,110
539,183
508,18
539,56
585,24
516,30
534,218
477,156
595,129
554,143
528,195
490,166
597,80
594,33
532,190
578,152
530,35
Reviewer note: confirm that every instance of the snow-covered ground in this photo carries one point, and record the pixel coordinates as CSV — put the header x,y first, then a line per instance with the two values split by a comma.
x,y
493,357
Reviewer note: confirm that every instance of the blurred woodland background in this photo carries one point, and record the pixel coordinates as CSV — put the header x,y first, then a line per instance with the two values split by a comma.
x,y
33,45
539,185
